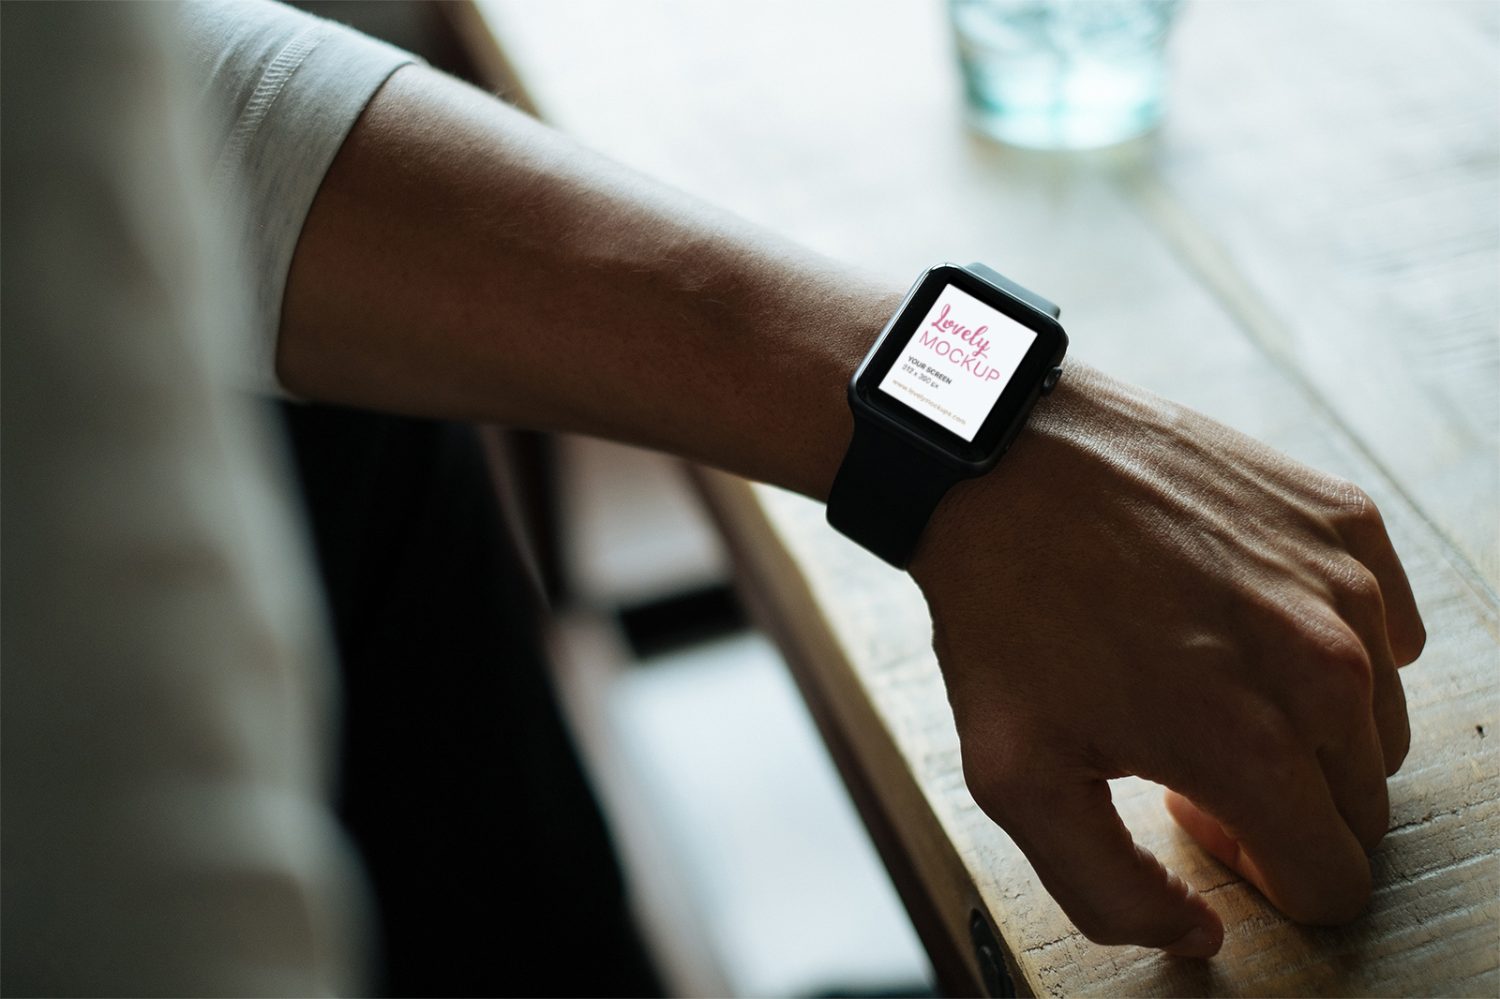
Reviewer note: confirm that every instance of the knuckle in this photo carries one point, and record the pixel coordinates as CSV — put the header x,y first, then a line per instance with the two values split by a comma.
x,y
1357,584
998,785
1263,733
1353,505
1342,672
1351,678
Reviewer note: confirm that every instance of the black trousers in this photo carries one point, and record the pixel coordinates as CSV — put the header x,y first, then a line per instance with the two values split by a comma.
x,y
490,862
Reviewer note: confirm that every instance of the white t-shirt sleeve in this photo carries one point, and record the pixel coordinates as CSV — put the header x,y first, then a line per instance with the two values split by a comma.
x,y
169,704
280,91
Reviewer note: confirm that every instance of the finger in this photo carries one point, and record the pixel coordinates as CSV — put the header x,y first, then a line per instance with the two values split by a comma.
x,y
1362,606
1365,536
1114,891
1391,719
1281,831
1207,833
1355,772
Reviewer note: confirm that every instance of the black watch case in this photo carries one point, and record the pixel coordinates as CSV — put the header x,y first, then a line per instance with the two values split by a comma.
x,y
1005,418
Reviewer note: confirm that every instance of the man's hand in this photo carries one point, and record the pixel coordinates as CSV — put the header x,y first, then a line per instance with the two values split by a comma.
x,y
1137,589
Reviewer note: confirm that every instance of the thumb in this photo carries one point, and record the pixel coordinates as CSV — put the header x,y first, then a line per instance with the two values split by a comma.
x,y
1114,891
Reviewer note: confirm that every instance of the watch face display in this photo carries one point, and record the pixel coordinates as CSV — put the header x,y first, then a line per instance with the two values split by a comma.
x,y
956,362
958,367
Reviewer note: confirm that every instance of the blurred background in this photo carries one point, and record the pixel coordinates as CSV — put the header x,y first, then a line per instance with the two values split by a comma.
x,y
751,872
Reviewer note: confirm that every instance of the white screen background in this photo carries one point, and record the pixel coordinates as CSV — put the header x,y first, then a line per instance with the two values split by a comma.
x,y
930,375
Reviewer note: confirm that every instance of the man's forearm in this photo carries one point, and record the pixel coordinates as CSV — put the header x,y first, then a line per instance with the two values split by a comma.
x,y
463,261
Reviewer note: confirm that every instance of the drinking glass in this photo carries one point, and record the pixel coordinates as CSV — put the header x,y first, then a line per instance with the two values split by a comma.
x,y
1063,74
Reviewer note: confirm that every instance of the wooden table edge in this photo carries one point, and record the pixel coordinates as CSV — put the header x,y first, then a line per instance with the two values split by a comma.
x,y
927,872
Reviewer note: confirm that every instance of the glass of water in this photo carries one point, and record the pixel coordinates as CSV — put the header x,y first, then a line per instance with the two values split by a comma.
x,y
1063,74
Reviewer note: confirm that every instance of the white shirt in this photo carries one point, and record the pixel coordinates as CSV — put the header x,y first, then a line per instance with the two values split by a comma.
x,y
168,710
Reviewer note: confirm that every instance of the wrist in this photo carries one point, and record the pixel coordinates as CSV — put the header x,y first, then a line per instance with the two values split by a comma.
x,y
840,327
978,517
939,398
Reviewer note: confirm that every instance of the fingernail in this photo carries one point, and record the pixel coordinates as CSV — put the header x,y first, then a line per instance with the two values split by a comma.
x,y
1197,942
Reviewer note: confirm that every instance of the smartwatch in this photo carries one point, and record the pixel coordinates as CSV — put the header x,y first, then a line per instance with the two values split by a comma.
x,y
939,398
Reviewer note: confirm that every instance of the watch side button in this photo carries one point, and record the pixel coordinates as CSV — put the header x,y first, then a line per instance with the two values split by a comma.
x,y
1049,380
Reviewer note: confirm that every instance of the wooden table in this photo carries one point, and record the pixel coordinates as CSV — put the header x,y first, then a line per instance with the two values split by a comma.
x,y
1308,251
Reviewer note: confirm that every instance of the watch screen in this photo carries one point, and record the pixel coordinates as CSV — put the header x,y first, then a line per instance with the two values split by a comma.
x,y
959,359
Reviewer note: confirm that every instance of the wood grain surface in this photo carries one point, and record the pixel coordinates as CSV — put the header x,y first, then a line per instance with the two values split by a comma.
x,y
1307,251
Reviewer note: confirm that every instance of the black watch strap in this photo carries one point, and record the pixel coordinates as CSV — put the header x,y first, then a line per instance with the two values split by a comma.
x,y
885,492
886,489
1026,295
